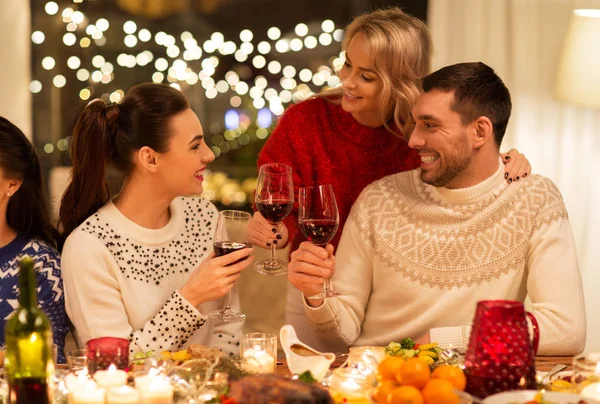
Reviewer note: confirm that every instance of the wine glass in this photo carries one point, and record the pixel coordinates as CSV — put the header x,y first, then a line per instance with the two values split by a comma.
x,y
230,235
319,219
274,200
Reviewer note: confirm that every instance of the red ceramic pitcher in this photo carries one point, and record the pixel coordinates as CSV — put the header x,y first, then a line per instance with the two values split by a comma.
x,y
501,355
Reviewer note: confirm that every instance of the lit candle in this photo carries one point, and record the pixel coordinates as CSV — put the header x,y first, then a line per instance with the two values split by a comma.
x,y
349,386
591,391
259,361
377,352
123,395
90,393
155,387
112,377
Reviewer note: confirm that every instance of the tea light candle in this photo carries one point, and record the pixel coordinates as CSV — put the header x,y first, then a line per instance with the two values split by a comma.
x,y
155,387
158,396
112,377
123,395
377,352
347,386
90,393
262,363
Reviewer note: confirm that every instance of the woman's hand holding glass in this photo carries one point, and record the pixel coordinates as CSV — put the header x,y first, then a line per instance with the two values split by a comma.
x,y
215,276
309,266
263,234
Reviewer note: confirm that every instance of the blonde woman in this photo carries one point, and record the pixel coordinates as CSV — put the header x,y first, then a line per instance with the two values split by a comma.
x,y
353,135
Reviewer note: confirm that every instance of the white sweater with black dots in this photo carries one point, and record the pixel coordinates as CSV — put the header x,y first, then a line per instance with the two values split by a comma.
x,y
122,280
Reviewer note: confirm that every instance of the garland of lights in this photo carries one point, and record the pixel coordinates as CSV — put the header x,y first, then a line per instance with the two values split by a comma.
x,y
176,70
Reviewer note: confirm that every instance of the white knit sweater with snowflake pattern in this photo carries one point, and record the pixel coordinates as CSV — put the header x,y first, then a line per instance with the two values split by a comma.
x,y
414,258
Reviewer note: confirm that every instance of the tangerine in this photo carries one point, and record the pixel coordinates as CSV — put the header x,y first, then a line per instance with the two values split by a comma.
x,y
453,374
414,372
405,395
389,368
383,389
440,391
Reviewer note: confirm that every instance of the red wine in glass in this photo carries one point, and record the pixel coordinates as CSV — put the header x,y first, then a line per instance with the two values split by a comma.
x,y
274,201
319,231
318,219
227,247
275,211
230,236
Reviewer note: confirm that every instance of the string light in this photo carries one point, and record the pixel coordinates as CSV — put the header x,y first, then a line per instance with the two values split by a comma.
x,y
189,50
38,37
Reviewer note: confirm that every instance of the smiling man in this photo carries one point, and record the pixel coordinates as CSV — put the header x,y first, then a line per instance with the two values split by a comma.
x,y
422,247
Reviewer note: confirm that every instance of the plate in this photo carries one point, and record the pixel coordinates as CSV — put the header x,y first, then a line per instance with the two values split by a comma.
x,y
521,397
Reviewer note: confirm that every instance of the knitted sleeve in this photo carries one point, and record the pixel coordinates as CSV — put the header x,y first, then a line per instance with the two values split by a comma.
x,y
50,292
338,322
95,306
554,281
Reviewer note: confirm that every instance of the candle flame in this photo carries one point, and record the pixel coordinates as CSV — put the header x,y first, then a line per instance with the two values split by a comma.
x,y
33,338
83,376
112,369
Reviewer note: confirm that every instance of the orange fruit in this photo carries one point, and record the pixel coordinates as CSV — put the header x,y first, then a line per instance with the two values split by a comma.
x,y
383,389
440,391
405,395
414,372
453,374
389,368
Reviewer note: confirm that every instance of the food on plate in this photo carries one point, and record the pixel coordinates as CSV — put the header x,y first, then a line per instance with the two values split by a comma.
x,y
272,389
453,374
539,399
407,348
179,356
410,380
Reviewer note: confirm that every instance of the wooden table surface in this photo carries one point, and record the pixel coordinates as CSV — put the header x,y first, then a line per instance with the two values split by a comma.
x,y
542,364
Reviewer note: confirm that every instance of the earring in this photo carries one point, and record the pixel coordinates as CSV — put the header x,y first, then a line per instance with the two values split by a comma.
x,y
8,194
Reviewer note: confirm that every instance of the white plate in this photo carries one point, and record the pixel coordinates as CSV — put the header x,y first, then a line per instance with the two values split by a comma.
x,y
521,397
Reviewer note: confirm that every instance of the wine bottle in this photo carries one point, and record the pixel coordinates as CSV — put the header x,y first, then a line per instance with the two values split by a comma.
x,y
28,338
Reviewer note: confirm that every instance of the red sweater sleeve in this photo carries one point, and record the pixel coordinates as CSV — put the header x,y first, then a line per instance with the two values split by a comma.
x,y
283,146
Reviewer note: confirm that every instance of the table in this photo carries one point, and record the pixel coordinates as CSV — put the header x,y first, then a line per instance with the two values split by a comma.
x,y
542,364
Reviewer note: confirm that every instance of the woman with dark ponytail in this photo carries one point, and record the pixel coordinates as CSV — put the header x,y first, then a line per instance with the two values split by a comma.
x,y
25,229
140,265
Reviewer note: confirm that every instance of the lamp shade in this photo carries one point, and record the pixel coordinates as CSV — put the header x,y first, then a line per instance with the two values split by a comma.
x,y
578,76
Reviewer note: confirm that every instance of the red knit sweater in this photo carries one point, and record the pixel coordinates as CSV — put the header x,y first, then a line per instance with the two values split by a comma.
x,y
325,145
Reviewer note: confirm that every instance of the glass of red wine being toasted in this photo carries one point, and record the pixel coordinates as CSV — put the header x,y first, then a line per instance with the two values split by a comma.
x,y
274,200
230,236
319,219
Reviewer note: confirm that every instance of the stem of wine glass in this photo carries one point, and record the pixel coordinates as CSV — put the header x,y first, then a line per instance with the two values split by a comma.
x,y
273,247
228,300
327,285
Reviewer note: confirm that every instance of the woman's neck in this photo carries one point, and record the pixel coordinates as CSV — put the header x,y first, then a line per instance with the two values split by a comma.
x,y
141,203
7,233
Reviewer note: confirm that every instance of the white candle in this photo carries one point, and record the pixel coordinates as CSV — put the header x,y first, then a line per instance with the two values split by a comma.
x,y
156,388
123,395
591,391
158,395
259,361
112,377
89,394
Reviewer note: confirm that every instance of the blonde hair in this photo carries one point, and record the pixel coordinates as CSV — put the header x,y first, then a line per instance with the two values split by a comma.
x,y
401,46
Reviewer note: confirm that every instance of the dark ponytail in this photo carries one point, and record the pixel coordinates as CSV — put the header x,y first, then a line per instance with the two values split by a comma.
x,y
27,211
112,134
